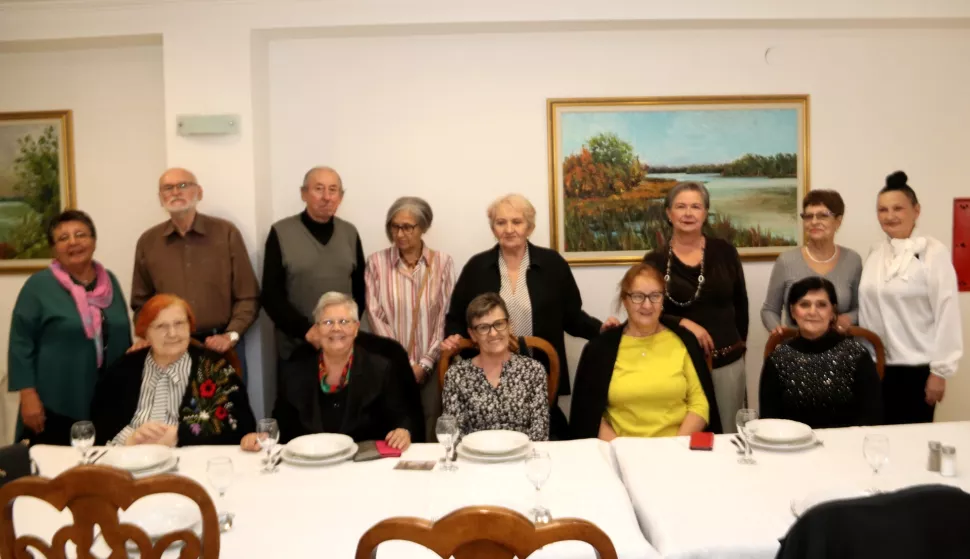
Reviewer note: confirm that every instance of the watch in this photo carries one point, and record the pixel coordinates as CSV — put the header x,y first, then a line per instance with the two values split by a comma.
x,y
233,337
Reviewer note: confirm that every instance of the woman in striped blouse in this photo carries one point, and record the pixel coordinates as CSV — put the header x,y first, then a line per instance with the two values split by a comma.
x,y
408,289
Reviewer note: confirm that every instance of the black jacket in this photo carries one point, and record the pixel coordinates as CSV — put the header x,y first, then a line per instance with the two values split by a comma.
x,y
119,387
557,306
595,371
376,404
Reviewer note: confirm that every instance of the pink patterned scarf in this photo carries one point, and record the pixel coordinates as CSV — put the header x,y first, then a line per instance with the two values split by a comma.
x,y
88,302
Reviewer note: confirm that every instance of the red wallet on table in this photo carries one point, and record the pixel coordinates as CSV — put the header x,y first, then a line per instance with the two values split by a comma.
x,y
386,451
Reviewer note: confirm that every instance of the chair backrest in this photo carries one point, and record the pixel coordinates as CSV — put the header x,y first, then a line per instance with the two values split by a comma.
x,y
231,357
484,532
533,342
854,331
94,494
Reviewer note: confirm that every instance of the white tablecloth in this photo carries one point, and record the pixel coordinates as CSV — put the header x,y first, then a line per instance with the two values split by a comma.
x,y
693,504
322,512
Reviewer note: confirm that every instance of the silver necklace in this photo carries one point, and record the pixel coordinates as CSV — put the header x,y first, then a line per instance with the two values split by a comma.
x,y
700,279
808,251
654,333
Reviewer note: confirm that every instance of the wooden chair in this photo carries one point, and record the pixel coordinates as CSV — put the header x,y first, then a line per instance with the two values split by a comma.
x,y
94,494
232,358
484,532
533,342
854,331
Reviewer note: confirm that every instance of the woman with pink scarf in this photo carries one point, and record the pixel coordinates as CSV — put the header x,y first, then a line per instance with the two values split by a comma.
x,y
69,322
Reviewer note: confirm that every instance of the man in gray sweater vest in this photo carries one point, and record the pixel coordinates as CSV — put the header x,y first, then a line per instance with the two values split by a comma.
x,y
307,255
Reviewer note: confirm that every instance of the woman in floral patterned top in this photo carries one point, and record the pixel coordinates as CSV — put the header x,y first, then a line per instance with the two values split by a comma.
x,y
497,389
170,393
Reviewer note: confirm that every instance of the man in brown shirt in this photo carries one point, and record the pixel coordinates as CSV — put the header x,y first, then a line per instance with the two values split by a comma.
x,y
200,258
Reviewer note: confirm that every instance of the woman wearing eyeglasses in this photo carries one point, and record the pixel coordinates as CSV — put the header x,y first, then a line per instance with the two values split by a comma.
x,y
343,387
69,322
496,389
408,289
822,212
644,379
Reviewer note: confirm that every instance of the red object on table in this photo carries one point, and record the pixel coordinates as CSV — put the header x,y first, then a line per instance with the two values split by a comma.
x,y
386,451
961,242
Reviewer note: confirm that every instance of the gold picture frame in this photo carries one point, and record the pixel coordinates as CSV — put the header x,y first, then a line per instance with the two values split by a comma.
x,y
612,160
36,184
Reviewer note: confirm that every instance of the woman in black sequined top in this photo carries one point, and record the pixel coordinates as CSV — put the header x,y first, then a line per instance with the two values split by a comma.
x,y
820,377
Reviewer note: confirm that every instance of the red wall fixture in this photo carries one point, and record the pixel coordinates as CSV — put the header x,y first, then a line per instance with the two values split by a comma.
x,y
961,241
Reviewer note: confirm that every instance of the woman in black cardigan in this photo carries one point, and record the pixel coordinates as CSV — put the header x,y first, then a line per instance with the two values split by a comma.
x,y
536,283
133,401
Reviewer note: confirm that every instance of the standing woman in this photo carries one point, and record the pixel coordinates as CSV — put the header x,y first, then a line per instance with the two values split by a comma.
x,y
408,289
705,293
908,296
70,321
822,212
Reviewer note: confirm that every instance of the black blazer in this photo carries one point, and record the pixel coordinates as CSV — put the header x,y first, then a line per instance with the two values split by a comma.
x,y
119,387
557,306
595,371
377,400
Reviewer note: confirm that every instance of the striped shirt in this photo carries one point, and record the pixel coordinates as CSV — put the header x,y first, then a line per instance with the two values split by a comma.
x,y
517,297
392,294
161,395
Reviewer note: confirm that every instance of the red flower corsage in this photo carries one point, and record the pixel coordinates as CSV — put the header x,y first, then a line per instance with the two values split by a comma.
x,y
221,413
207,389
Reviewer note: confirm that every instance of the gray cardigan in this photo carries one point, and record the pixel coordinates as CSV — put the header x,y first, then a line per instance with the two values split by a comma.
x,y
791,267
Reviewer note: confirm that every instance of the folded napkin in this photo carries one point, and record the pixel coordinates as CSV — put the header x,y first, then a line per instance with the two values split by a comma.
x,y
386,451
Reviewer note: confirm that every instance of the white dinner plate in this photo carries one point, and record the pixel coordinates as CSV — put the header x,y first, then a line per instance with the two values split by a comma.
x,y
295,460
473,456
799,506
319,446
137,458
495,442
163,513
811,442
165,467
780,430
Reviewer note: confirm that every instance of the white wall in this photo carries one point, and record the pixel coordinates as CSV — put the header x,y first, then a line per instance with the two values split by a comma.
x,y
460,119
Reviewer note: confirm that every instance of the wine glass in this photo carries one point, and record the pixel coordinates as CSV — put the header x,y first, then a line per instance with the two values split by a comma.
x,y
743,418
446,430
875,448
220,473
538,466
82,438
267,435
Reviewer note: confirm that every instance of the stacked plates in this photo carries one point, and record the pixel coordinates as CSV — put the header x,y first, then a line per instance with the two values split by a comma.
x,y
319,450
494,446
161,514
141,460
781,434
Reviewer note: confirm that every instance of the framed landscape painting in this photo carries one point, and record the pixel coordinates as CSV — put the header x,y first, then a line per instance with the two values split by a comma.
x,y
36,183
612,162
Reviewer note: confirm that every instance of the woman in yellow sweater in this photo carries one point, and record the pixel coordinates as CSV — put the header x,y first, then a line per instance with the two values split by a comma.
x,y
643,379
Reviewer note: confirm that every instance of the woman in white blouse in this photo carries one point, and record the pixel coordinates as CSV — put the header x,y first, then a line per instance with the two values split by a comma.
x,y
908,295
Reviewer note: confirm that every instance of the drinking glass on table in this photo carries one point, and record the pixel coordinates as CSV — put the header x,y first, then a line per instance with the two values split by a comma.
x,y
82,438
876,450
267,436
538,466
743,418
447,431
220,473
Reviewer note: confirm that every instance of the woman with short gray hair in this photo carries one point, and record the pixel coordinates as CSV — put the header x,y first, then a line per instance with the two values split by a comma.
x,y
408,289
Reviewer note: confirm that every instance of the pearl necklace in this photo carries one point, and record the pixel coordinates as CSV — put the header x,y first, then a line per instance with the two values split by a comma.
x,y
808,251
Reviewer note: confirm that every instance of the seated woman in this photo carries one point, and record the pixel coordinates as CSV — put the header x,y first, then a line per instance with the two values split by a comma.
x,y
496,389
643,379
170,393
821,378
343,388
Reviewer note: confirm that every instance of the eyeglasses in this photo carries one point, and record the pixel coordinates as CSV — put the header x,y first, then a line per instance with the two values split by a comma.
x,y
484,328
820,216
170,188
406,227
331,322
77,236
638,298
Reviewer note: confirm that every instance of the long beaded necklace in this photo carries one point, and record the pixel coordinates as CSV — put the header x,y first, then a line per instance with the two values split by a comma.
x,y
700,278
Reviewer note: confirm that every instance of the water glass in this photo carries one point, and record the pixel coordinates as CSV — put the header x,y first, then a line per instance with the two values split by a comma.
x,y
743,418
447,431
267,436
538,466
220,473
82,438
875,448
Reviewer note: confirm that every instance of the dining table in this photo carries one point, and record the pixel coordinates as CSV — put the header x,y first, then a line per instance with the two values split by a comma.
x,y
322,511
701,504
